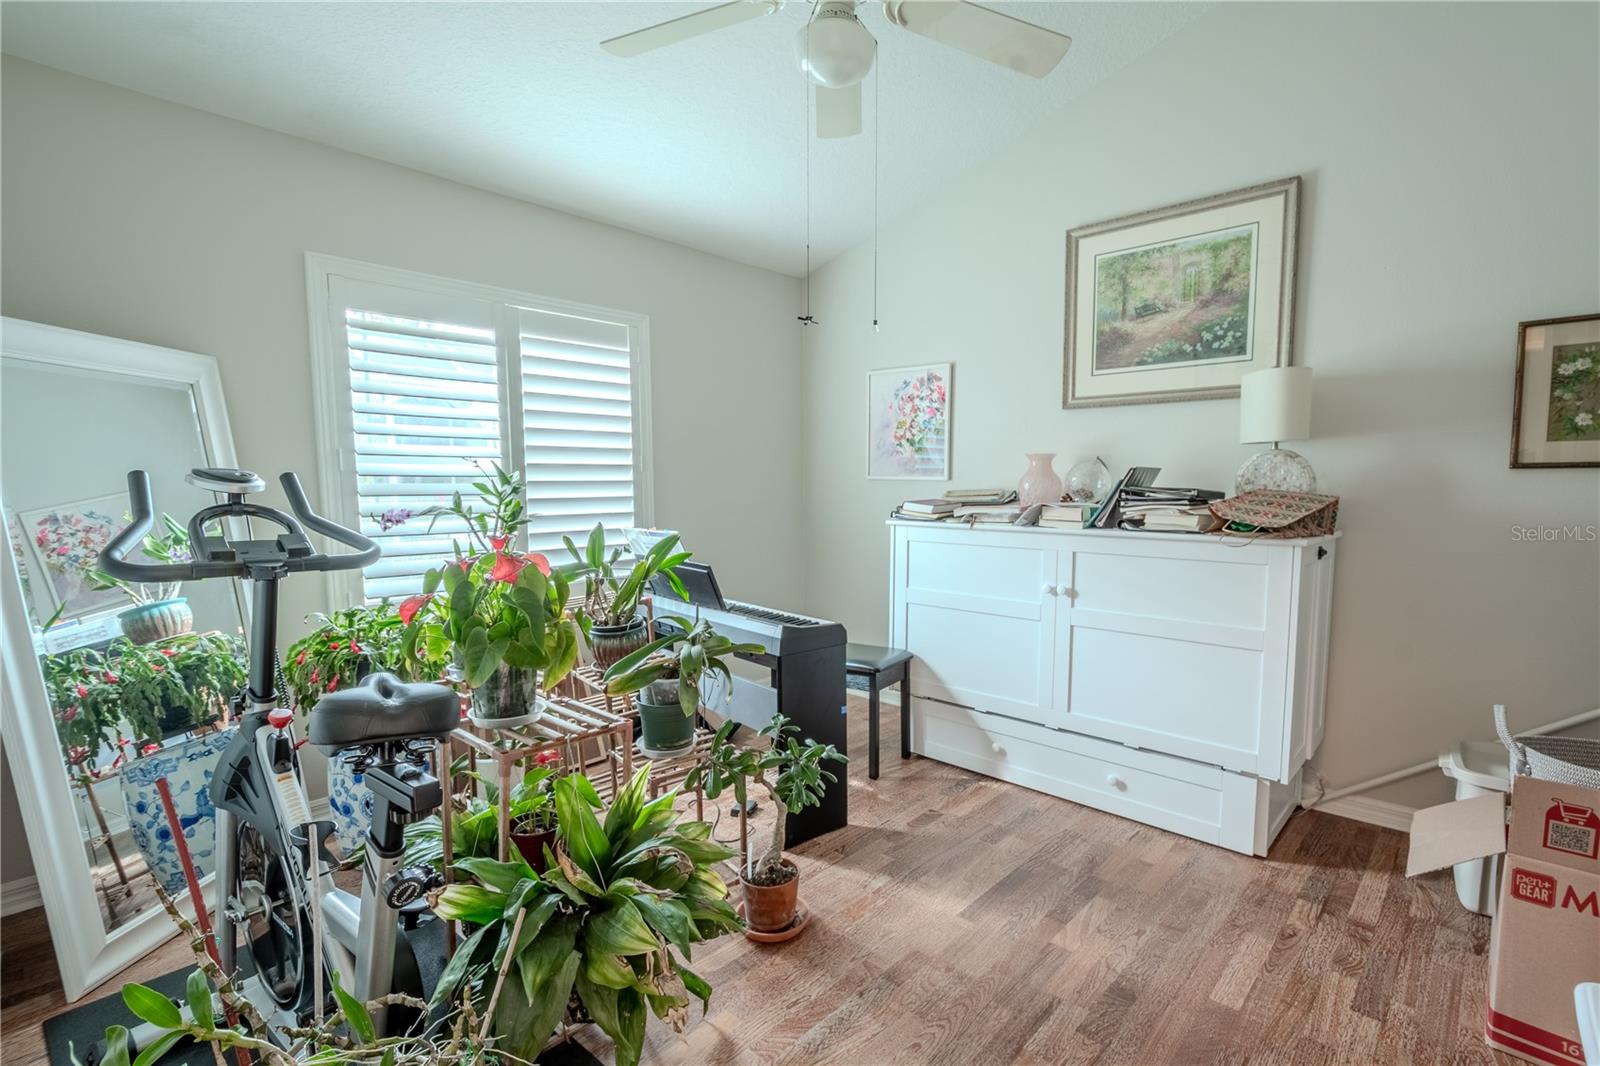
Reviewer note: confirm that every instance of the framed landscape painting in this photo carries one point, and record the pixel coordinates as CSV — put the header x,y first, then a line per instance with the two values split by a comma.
x,y
1181,302
908,423
1555,413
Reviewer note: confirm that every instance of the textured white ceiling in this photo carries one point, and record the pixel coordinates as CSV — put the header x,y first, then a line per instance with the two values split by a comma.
x,y
701,143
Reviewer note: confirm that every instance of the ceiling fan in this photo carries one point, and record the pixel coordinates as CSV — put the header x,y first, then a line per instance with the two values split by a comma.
x,y
836,51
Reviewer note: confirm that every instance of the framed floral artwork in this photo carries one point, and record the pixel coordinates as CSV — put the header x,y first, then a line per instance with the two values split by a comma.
x,y
908,423
1181,302
1555,411
63,545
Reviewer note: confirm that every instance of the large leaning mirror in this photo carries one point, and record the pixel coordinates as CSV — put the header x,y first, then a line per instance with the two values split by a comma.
x,y
112,691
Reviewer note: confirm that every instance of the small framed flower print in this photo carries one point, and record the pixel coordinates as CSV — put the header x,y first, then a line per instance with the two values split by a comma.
x,y
908,423
1555,416
64,544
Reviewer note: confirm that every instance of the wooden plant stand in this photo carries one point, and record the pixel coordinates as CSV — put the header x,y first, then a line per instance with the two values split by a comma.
x,y
567,727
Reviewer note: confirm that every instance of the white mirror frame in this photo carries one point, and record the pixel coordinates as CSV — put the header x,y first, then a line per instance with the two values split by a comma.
x,y
86,951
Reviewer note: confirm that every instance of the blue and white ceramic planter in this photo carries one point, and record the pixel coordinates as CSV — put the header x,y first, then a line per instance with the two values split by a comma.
x,y
187,767
351,802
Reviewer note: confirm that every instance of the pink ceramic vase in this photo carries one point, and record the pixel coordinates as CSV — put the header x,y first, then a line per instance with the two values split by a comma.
x,y
1040,483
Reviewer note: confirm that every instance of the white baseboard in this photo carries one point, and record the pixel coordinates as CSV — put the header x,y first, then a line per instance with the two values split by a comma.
x,y
20,895
1372,811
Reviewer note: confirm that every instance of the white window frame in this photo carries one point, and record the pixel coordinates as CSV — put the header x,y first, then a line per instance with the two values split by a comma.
x,y
330,383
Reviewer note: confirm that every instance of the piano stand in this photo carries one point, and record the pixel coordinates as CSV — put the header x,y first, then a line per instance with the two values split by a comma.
x,y
879,668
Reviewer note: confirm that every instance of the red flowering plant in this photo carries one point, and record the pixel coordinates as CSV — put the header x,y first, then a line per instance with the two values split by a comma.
x,y
498,614
502,620
145,692
345,647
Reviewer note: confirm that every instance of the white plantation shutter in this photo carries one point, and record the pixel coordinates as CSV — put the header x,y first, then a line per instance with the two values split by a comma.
x,y
425,421
426,382
578,418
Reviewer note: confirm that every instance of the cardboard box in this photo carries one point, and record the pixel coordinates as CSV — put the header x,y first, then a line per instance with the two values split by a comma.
x,y
1546,935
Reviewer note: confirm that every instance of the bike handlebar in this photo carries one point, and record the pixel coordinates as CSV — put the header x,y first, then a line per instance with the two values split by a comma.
x,y
114,558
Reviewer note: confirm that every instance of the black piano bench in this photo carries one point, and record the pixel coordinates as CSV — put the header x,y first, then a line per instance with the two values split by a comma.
x,y
878,668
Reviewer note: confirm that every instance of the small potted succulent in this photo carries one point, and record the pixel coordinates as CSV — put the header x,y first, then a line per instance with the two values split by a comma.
x,y
664,677
790,771
158,611
613,624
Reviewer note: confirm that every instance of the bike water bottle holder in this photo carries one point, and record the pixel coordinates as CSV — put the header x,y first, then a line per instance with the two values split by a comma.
x,y
302,835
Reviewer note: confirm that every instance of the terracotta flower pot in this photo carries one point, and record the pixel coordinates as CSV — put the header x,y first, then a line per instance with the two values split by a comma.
x,y
771,908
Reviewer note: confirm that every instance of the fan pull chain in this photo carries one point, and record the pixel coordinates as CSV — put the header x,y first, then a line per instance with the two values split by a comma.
x,y
808,319
877,82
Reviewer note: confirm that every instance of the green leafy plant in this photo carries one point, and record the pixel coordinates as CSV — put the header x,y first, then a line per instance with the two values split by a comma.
x,y
494,610
171,545
148,690
345,647
611,922
491,524
671,666
611,598
87,713
475,827
347,1034
789,770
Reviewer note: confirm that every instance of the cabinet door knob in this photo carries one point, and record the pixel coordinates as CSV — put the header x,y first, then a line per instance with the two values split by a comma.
x,y
1116,782
1063,590
997,749
1049,590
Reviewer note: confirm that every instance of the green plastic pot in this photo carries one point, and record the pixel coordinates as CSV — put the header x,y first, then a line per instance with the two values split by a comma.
x,y
666,729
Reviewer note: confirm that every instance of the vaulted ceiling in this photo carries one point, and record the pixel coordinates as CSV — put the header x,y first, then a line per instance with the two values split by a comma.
x,y
702,143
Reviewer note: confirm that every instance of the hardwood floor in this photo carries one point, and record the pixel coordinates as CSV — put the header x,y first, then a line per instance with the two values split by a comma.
x,y
963,920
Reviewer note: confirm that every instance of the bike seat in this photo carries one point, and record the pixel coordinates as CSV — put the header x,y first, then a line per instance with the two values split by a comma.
x,y
382,707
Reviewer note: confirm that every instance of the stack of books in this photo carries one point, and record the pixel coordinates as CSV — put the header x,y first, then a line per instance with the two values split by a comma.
x,y
1066,515
936,510
1167,510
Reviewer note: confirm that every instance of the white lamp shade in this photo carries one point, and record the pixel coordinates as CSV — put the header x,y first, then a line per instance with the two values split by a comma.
x,y
1275,405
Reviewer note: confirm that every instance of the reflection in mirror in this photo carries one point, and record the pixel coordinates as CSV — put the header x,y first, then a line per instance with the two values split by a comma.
x,y
138,676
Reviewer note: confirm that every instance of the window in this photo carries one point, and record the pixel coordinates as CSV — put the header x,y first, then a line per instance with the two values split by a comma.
x,y
422,383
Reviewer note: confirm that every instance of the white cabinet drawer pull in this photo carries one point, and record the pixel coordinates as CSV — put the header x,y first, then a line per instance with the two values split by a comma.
x,y
1049,590
997,749
1116,782
1063,590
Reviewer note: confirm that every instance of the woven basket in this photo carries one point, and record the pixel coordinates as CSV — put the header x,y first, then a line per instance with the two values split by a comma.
x,y
1565,760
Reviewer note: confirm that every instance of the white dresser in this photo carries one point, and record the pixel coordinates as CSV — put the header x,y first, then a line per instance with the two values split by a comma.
x,y
1175,680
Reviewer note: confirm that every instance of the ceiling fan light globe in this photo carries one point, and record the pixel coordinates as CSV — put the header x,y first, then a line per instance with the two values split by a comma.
x,y
835,52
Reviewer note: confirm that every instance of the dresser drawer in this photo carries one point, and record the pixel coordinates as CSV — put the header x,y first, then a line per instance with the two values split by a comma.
x,y
1197,800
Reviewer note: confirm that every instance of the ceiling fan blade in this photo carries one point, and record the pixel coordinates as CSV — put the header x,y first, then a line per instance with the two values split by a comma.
x,y
838,111
686,26
987,34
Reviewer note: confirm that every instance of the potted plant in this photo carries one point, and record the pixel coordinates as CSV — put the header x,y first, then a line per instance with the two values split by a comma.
x,y
665,677
343,649
791,773
607,928
503,622
86,712
158,611
499,615
613,625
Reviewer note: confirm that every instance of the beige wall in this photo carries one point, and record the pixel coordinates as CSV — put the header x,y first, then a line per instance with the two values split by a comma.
x,y
135,218
1451,189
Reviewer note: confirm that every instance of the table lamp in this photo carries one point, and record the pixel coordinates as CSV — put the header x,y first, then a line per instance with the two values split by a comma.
x,y
1275,405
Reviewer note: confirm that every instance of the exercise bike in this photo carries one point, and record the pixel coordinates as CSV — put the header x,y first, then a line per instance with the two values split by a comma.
x,y
274,872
